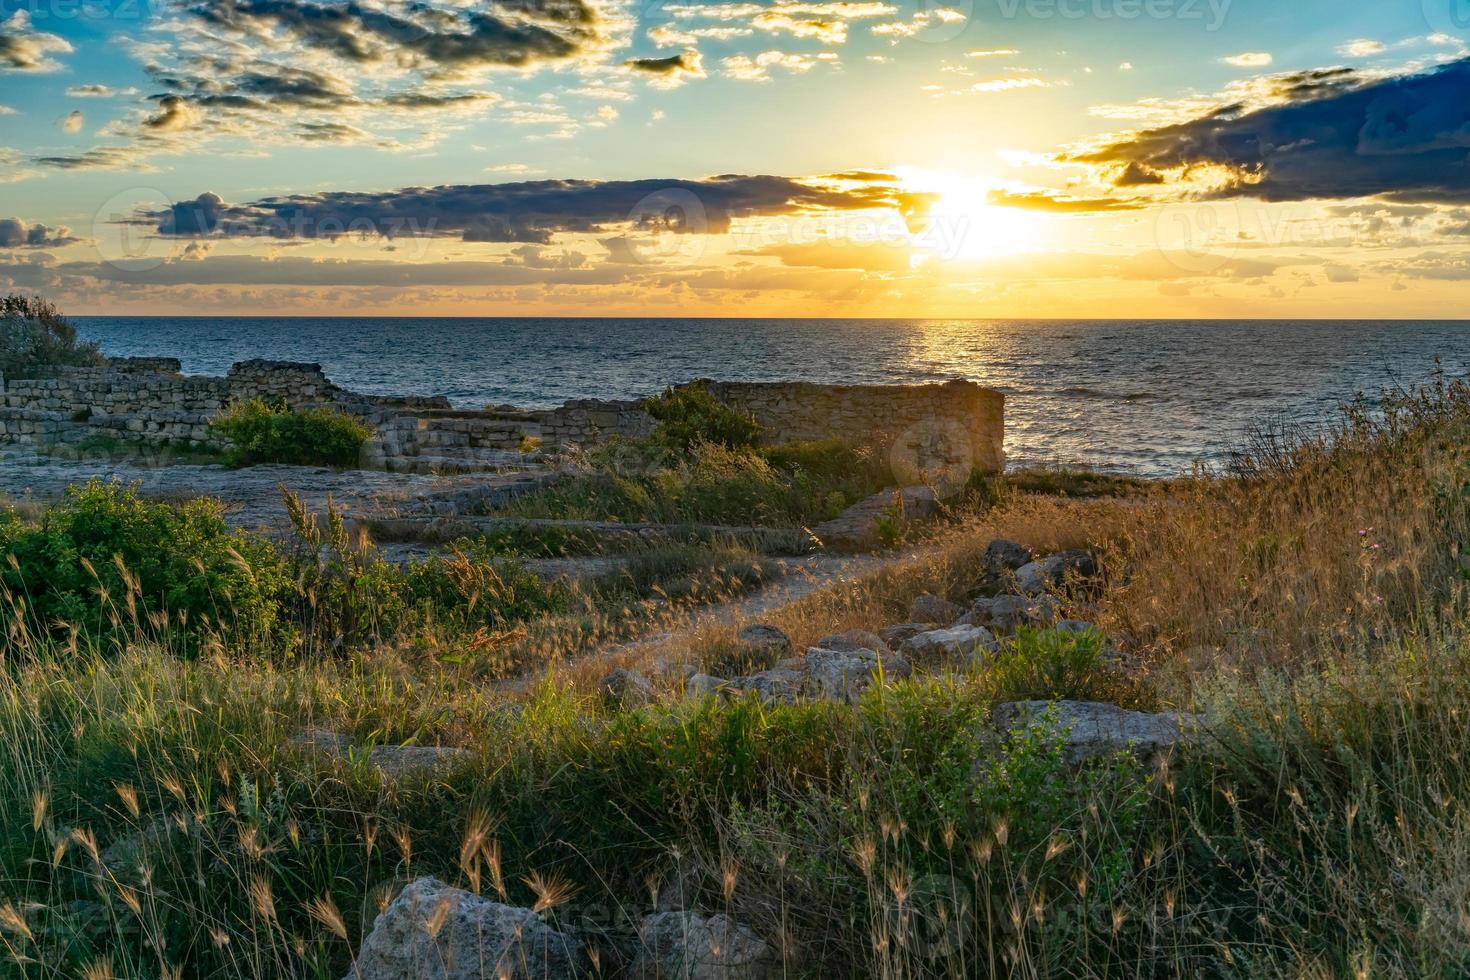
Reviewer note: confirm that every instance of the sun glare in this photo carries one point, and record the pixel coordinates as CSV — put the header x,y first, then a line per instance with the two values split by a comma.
x,y
964,224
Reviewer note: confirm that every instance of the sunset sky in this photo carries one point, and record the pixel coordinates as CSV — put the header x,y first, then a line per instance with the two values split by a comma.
x,y
1001,158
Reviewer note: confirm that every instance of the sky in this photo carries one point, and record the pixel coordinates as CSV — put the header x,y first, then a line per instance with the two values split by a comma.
x,y
876,158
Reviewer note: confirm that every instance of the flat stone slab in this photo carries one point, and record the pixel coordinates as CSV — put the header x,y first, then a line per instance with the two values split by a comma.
x,y
1091,730
593,535
253,493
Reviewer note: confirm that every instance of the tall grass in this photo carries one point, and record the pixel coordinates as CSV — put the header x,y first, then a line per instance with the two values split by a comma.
x,y
158,816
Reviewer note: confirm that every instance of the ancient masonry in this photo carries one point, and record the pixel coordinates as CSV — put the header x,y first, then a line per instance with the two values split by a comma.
x,y
942,430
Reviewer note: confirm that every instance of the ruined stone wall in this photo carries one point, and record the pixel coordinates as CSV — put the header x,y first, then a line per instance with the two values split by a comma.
x,y
135,399
589,421
954,426
150,400
922,429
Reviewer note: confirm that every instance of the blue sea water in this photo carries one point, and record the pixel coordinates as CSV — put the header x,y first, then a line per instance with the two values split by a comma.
x,y
1148,397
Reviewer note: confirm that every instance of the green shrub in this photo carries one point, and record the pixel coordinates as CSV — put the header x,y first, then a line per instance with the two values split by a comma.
x,y
1046,665
263,433
109,568
35,339
691,415
105,563
709,484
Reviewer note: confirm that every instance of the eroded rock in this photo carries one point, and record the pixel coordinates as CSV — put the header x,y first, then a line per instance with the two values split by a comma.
x,y
960,646
895,635
434,932
853,640
767,642
930,608
624,688
1005,613
845,675
689,946
1003,556
1091,730
1054,571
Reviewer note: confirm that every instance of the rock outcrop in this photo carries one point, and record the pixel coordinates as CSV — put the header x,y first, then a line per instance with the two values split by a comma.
x,y
434,932
1090,730
690,946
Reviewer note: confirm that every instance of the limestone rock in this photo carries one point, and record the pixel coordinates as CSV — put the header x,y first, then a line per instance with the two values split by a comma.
x,y
414,761
703,685
1091,730
1003,556
930,608
858,527
1073,626
895,635
844,675
434,932
689,946
853,640
1007,612
1055,570
779,685
957,645
766,641
625,689
393,761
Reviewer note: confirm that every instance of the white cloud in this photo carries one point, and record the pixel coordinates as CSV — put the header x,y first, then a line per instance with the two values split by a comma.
x,y
991,53
97,91
1249,59
1362,48
757,69
24,49
73,122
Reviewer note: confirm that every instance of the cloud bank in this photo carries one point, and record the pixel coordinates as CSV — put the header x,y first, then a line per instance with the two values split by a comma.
x,y
1334,134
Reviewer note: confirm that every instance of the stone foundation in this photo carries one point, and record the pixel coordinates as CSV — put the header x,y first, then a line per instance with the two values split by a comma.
x,y
929,433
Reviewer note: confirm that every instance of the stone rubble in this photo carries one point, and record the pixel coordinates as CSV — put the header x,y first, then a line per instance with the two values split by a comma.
x,y
434,932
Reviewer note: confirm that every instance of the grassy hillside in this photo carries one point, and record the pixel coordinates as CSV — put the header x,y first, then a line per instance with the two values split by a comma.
x,y
161,815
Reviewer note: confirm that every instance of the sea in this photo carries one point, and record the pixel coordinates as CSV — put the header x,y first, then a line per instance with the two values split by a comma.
x,y
1147,397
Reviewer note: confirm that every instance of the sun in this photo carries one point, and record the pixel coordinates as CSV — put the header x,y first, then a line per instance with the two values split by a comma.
x,y
964,224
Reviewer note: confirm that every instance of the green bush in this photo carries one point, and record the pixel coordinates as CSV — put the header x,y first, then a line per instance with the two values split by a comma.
x,y
106,563
710,484
691,415
263,433
108,568
35,339
1045,665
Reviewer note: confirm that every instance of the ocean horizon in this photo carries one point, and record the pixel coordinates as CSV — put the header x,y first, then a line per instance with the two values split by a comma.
x,y
1149,397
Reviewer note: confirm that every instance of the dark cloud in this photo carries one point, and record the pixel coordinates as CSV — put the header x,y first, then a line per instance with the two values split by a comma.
x,y
1337,134
1135,175
15,233
660,66
434,39
1059,204
256,270
97,158
22,48
671,71
529,212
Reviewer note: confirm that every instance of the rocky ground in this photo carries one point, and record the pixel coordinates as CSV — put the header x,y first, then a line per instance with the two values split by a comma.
x,y
470,936
253,493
